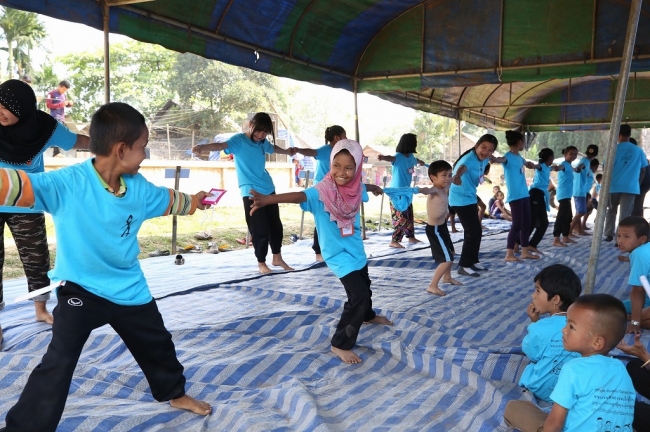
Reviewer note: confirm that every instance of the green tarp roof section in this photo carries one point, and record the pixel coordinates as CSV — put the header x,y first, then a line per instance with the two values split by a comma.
x,y
479,60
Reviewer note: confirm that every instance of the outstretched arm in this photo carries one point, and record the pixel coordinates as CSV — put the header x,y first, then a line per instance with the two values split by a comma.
x,y
82,143
531,165
499,160
304,151
428,190
260,200
279,150
459,173
203,149
390,159
374,189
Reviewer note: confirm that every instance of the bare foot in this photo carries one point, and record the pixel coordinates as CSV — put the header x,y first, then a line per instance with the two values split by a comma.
x,y
535,250
380,319
264,269
558,243
190,404
414,240
516,249
529,256
42,315
396,245
319,258
568,240
483,227
452,281
279,262
512,259
623,258
571,236
435,290
347,356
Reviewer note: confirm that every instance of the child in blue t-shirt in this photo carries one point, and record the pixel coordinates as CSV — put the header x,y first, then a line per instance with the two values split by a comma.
x,y
98,207
250,149
335,202
404,163
564,192
540,200
333,134
582,180
632,236
556,288
592,389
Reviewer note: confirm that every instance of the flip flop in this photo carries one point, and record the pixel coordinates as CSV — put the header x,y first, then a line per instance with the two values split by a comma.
x,y
225,248
158,253
203,236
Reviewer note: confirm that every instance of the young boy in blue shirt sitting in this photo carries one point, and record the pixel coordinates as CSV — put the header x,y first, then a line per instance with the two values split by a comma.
x,y
593,389
632,236
98,207
556,288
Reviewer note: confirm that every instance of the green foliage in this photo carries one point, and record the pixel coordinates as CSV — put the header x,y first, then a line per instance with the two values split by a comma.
x,y
433,132
21,31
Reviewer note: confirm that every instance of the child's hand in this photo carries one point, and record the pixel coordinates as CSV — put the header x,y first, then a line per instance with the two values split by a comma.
x,y
456,180
259,200
631,328
200,196
197,150
530,165
533,313
377,191
637,350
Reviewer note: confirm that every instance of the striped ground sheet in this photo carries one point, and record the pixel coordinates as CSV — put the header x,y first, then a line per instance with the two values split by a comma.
x,y
257,347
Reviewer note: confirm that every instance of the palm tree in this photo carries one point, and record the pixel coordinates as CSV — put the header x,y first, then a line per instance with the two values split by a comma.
x,y
21,30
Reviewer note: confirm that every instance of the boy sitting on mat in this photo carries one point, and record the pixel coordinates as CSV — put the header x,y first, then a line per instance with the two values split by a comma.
x,y
98,207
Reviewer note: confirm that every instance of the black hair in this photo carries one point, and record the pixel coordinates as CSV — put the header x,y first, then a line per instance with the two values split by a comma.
x,y
544,154
592,150
625,130
26,78
65,83
439,166
513,137
333,131
568,149
407,144
560,280
113,123
261,122
640,225
610,320
594,163
633,141
599,176
487,137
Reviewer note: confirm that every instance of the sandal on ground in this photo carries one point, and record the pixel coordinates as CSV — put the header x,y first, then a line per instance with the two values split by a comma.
x,y
158,253
203,235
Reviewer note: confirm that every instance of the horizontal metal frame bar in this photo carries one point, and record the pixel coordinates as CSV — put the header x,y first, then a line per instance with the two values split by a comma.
x,y
553,104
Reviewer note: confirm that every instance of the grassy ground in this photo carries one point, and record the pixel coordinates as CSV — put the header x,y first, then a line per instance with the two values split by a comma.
x,y
225,224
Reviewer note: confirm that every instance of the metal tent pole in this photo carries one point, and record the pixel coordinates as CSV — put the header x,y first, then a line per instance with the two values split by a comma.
x,y
107,61
610,151
356,136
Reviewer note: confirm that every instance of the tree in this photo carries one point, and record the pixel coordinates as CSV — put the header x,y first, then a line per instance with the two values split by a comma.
x,y
21,30
433,132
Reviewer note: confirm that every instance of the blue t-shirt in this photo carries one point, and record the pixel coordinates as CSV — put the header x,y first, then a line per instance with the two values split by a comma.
x,y
401,198
250,162
541,181
589,183
63,138
515,174
639,265
580,179
343,255
543,346
465,194
597,391
100,253
627,168
403,169
564,182
322,157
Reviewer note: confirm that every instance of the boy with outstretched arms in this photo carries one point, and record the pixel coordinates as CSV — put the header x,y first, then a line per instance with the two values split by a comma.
x,y
98,207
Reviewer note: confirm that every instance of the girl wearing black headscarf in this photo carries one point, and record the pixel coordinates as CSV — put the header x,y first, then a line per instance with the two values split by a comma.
x,y
25,134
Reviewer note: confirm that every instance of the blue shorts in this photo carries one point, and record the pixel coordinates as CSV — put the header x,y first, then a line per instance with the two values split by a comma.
x,y
628,305
581,204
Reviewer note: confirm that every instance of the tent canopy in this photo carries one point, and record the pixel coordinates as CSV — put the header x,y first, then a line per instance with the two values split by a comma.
x,y
531,64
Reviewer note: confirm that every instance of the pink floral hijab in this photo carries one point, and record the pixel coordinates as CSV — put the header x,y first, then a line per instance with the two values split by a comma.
x,y
342,202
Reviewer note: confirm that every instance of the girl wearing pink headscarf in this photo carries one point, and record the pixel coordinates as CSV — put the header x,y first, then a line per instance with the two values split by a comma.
x,y
335,203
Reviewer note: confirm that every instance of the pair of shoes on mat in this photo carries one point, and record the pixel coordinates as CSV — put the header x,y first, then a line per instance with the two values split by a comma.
x,y
158,253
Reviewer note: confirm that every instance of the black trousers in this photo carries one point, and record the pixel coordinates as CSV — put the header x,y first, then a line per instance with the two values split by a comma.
x,y
472,234
265,227
538,216
563,218
641,380
316,245
356,310
78,312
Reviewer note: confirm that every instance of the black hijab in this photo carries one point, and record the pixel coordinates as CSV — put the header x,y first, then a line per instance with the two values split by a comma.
x,y
19,143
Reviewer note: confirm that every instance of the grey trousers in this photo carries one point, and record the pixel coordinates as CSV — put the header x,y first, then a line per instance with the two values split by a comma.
x,y
626,202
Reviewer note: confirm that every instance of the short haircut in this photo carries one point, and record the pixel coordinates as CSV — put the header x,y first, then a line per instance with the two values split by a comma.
x,y
625,130
261,122
610,320
407,144
113,123
599,176
439,166
568,149
545,154
640,225
633,141
513,137
594,163
65,83
560,280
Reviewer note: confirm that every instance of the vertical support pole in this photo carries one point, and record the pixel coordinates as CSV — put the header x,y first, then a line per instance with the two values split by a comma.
x,y
107,60
610,150
356,135
459,147
302,216
169,145
177,179
381,206
193,137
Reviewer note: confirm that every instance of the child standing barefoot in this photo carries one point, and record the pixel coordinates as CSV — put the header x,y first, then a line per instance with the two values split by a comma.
x,y
441,247
540,199
251,149
335,203
563,195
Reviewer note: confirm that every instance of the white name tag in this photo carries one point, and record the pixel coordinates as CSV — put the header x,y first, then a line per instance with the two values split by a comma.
x,y
347,231
481,179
